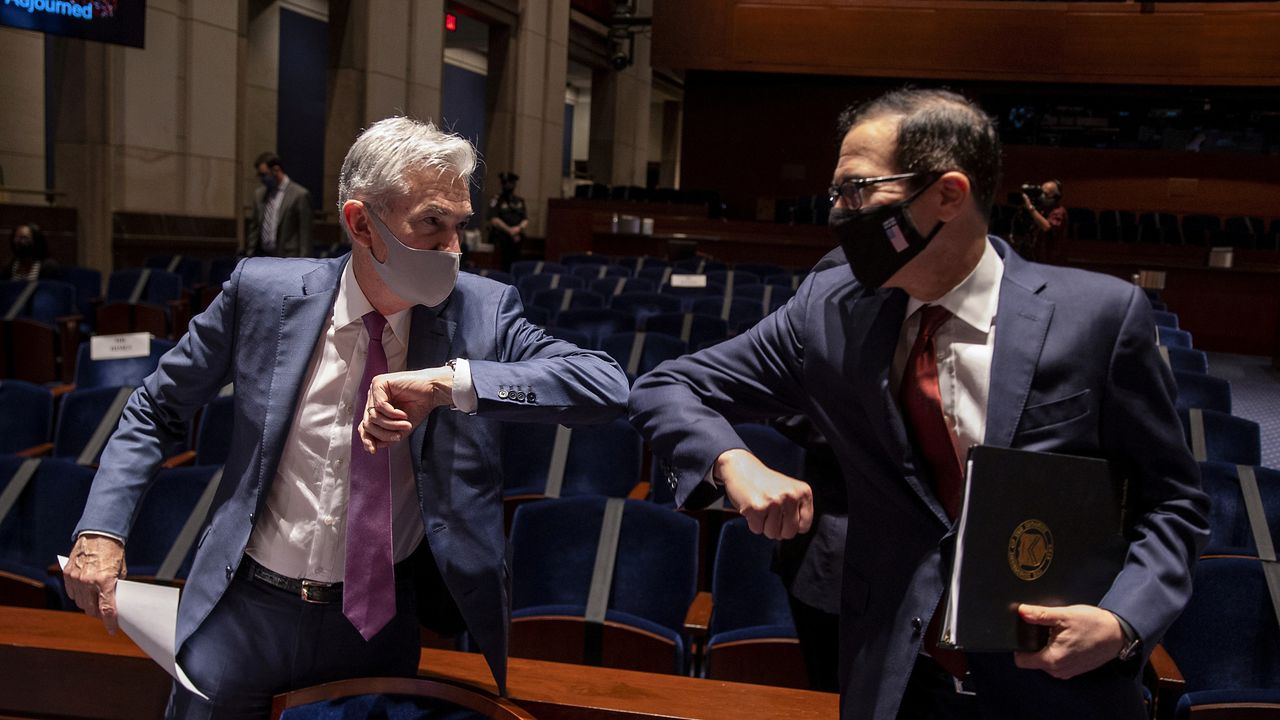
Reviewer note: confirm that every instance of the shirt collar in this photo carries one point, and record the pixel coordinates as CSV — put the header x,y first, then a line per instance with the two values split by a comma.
x,y
351,306
976,298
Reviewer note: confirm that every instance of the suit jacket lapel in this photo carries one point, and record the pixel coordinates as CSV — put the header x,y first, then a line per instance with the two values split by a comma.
x,y
1022,322
303,314
430,337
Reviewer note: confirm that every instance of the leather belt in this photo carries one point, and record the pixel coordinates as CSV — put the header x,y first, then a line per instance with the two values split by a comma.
x,y
309,590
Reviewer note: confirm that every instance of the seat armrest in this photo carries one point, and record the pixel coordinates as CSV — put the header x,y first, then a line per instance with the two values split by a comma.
x,y
639,492
182,459
698,618
59,390
36,451
68,345
1165,682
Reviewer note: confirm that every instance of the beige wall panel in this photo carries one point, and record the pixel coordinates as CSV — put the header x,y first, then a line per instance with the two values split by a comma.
x,y
22,110
151,94
262,59
384,97
153,181
209,186
388,37
220,13
424,102
211,87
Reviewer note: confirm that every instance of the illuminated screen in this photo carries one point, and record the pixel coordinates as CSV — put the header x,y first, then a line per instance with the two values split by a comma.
x,y
122,22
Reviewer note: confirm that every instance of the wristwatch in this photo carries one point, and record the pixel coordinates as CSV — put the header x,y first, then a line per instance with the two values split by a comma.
x,y
1132,643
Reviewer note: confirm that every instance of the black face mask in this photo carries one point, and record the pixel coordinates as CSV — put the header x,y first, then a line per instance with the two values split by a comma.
x,y
880,240
24,251
269,182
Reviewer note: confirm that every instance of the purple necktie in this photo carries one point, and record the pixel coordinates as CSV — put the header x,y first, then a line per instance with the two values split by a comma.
x,y
368,593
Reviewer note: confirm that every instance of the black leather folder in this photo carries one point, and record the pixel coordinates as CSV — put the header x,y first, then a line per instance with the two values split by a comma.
x,y
1035,528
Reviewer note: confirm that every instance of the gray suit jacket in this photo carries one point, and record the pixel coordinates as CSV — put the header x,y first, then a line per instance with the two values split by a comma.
x,y
293,231
1074,370
260,333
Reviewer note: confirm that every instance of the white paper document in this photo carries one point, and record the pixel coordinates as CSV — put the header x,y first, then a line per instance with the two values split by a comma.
x,y
148,614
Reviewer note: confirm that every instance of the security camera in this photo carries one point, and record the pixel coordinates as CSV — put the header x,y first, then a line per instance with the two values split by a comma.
x,y
619,59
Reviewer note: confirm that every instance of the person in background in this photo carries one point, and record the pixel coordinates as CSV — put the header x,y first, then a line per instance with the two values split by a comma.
x,y
29,256
1043,225
281,223
508,218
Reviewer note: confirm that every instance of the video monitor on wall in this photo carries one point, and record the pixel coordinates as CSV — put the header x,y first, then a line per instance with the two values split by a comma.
x,y
122,22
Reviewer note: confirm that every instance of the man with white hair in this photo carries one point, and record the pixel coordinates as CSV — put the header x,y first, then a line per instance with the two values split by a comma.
x,y
302,574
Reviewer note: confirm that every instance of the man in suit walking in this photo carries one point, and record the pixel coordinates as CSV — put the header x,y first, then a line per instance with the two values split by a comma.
x,y
281,223
302,574
933,338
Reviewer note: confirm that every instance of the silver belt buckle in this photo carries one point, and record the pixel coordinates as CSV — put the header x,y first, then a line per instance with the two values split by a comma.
x,y
308,585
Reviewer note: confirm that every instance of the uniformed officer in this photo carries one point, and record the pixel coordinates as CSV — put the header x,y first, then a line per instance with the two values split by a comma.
x,y
508,218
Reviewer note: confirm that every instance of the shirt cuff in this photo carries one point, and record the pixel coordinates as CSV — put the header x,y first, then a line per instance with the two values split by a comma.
x,y
464,392
99,533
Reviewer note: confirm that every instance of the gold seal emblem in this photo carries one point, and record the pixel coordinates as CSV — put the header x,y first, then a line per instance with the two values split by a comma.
x,y
1030,550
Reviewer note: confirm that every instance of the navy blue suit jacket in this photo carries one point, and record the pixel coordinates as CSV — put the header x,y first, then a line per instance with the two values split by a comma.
x,y
260,333
1074,370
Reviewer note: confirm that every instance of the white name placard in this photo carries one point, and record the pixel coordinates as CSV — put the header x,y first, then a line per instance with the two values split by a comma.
x,y
119,347
688,280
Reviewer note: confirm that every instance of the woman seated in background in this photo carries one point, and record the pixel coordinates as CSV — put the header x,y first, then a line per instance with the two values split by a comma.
x,y
29,256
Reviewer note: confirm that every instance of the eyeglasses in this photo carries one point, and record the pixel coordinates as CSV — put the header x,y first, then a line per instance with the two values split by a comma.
x,y
851,190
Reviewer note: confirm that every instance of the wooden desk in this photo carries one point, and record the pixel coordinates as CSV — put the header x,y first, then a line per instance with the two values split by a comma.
x,y
60,664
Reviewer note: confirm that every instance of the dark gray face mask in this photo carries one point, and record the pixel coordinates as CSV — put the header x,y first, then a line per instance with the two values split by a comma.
x,y
879,241
422,277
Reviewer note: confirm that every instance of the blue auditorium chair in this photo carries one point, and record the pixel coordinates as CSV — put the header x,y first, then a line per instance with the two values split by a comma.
x,y
737,277
51,300
123,371
598,459
770,297
791,281
1230,532
1170,337
639,352
1226,643
158,307
521,268
760,270
530,285
40,328
752,638
611,287
537,316
553,554
640,264
1203,391
505,278
689,295
642,305
1200,229
694,330
659,275
190,270
1218,436
1165,319
82,415
26,416
577,337
166,512
39,526
1185,360
593,272
596,323
698,265
559,299
395,698
740,311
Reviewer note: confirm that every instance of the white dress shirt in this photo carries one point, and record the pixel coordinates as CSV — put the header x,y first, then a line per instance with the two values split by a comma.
x,y
301,532
963,346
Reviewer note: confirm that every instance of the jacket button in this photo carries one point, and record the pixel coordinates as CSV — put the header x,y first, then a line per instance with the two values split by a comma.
x,y
916,624
502,394
519,396
229,571
531,397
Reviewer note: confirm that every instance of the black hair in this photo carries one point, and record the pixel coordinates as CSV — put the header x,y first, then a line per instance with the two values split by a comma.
x,y
39,246
270,159
940,130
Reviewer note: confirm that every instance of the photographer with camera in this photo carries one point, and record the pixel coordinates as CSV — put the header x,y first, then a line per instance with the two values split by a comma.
x,y
1041,221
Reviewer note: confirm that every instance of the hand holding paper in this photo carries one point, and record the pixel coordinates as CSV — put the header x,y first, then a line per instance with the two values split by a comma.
x,y
90,576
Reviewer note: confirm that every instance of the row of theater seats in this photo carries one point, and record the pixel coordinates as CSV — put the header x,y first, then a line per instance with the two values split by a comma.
x,y
1200,230
1223,652
654,615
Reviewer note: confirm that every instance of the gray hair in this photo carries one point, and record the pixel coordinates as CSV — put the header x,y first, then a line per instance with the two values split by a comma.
x,y
378,162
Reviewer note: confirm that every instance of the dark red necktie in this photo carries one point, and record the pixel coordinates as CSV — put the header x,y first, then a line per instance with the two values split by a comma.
x,y
920,397
368,588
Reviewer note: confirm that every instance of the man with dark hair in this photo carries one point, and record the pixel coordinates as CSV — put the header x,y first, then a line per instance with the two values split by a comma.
x,y
508,218
933,338
281,224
